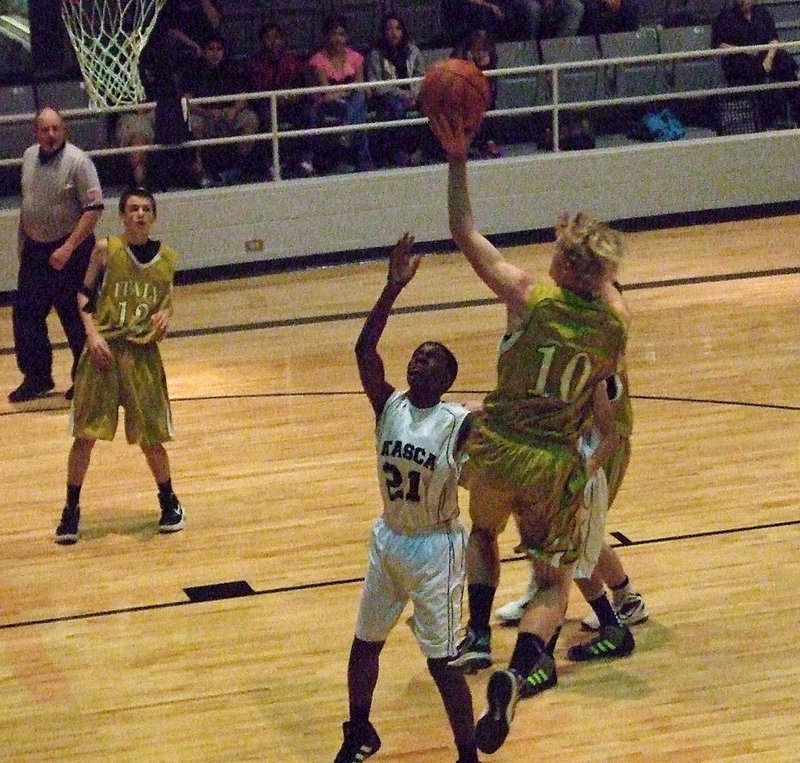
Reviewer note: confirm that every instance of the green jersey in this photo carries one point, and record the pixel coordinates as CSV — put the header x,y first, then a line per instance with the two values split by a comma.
x,y
548,369
131,291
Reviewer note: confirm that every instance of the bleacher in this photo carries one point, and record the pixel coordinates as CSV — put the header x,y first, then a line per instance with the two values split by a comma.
x,y
609,80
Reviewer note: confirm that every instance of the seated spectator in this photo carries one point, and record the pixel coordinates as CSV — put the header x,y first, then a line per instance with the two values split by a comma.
x,y
212,77
395,57
273,67
136,128
190,24
479,47
337,64
609,16
746,23
553,18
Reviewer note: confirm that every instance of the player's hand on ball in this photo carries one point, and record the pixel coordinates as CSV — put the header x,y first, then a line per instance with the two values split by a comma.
x,y
451,133
402,263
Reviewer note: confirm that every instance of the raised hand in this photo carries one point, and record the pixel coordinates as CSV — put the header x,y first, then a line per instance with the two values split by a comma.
x,y
402,263
451,133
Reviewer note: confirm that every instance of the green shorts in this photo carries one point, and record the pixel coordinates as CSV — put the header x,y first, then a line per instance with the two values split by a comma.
x,y
134,380
541,484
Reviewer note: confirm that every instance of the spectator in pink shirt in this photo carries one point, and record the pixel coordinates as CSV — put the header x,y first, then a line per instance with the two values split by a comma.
x,y
334,64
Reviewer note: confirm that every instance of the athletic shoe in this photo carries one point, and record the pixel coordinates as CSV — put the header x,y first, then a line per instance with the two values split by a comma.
x,y
173,518
610,642
67,530
511,613
493,726
30,391
360,743
542,676
631,610
474,652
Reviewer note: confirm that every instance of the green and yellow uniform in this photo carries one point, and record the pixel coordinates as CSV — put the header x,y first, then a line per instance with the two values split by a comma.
x,y
525,446
130,293
622,411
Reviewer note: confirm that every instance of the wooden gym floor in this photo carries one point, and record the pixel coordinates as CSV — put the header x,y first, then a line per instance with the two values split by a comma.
x,y
104,655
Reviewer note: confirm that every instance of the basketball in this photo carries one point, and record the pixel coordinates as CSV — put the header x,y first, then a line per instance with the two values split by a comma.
x,y
456,86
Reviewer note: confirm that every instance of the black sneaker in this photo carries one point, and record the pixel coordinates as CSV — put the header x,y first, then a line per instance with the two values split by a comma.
x,y
612,641
30,391
67,530
493,726
474,652
173,517
542,676
360,743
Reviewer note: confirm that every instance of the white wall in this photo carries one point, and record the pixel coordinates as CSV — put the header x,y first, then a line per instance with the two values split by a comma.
x,y
355,212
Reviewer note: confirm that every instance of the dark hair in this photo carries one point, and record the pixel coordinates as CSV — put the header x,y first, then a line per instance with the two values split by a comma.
x,y
137,191
333,22
385,19
450,361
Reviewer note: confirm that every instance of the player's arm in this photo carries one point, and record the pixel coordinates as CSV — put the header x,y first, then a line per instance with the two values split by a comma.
x,y
606,425
402,267
160,319
511,284
96,344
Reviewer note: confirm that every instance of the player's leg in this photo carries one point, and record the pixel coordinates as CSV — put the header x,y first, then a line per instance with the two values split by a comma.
x,y
437,573
489,507
77,465
382,603
628,603
173,517
92,417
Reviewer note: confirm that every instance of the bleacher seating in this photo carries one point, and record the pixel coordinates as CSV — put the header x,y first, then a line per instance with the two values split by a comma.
x,y
634,79
581,84
15,137
522,90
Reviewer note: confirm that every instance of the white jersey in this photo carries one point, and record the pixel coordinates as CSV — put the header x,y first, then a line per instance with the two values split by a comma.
x,y
417,464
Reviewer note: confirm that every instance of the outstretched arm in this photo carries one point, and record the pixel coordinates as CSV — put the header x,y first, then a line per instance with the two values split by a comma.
x,y
510,283
402,267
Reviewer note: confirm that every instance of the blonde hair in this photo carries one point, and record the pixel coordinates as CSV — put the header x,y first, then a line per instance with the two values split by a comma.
x,y
591,246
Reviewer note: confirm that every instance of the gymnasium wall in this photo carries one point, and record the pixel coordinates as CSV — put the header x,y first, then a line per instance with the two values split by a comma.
x,y
352,213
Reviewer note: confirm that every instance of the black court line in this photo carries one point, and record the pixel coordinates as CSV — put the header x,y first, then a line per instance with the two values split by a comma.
x,y
360,393
439,306
349,581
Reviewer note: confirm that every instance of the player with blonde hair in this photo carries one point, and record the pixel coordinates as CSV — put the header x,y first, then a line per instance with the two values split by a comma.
x,y
562,340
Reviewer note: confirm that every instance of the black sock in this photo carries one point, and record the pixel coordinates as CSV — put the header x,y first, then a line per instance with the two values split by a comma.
x,y
73,496
621,585
481,598
604,611
551,645
165,488
359,715
527,651
467,754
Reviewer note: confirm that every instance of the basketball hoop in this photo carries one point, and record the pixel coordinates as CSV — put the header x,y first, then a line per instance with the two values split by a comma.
x,y
108,37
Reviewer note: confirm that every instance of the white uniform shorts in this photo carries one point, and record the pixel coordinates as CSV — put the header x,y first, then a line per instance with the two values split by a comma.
x,y
429,569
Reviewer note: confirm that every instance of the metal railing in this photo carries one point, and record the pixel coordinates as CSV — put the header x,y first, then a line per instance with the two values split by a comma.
x,y
551,73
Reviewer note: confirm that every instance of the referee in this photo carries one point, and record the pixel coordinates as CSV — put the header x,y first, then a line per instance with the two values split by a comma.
x,y
61,204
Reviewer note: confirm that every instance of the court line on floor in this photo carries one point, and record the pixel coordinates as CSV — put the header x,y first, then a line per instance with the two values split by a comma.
x,y
627,542
434,307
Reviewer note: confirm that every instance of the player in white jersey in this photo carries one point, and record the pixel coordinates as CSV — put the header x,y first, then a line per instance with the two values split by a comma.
x,y
417,546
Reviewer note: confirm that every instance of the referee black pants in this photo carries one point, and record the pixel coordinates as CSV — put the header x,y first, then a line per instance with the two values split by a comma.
x,y
40,288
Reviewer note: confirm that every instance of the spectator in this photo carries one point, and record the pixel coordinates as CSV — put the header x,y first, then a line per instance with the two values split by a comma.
x,y
190,24
479,48
395,57
746,23
338,64
61,205
273,67
501,18
553,18
608,16
214,77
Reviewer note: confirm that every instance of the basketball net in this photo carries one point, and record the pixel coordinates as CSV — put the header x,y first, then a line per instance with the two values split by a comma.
x,y
108,37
